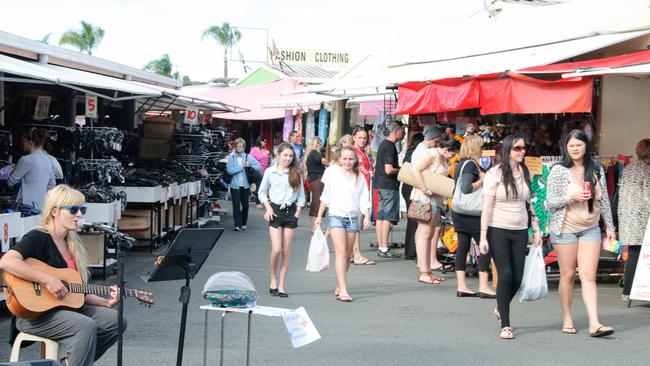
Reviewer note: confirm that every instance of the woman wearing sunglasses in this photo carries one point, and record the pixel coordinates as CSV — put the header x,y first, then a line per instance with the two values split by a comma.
x,y
504,224
577,199
84,334
33,172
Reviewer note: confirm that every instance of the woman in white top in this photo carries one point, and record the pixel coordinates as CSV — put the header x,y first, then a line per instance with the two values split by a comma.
x,y
435,159
282,194
346,196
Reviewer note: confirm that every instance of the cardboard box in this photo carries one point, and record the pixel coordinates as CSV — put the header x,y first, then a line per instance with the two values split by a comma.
x,y
158,127
137,223
154,148
94,243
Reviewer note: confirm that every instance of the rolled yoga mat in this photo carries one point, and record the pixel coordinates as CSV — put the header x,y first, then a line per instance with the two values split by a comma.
x,y
436,183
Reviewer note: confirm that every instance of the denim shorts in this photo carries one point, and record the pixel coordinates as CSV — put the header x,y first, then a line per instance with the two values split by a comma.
x,y
591,235
388,208
349,224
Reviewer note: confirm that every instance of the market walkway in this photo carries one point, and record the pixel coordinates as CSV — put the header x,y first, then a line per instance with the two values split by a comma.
x,y
392,321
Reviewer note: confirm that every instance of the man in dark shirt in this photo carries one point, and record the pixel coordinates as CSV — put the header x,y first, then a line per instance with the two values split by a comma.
x,y
387,185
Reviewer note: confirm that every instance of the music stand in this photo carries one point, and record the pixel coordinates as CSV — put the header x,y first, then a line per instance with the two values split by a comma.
x,y
183,260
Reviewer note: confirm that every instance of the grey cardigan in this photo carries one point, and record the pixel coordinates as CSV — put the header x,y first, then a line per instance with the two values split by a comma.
x,y
557,199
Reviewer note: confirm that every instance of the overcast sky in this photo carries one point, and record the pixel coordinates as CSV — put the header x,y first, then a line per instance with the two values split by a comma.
x,y
138,31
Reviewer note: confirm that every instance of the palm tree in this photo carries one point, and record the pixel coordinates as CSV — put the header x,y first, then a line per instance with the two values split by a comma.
x,y
227,37
46,38
86,40
161,66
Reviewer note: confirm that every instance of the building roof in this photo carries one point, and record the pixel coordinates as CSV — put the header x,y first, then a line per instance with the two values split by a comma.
x,y
16,46
310,74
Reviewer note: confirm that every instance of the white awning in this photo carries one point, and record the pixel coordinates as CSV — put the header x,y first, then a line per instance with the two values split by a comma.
x,y
31,72
634,70
179,99
470,65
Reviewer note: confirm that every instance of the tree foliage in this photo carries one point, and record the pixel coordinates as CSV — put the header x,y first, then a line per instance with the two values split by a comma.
x,y
226,36
86,40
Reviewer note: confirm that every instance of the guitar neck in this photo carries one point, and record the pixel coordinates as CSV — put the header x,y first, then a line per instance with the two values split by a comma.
x,y
82,288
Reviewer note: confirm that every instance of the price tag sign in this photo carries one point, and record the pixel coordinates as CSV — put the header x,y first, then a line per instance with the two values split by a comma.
x,y
534,165
191,115
489,153
300,327
41,111
641,284
91,106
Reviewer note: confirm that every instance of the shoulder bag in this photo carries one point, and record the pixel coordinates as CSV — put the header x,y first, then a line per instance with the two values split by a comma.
x,y
419,211
470,204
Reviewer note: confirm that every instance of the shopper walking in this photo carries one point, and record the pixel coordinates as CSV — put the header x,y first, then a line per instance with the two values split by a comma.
x,y
577,198
345,196
411,225
468,227
432,154
504,223
282,194
387,185
315,164
240,187
33,172
359,142
263,156
634,209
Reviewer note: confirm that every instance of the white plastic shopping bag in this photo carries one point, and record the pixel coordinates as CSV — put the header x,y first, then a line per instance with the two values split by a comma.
x,y
533,285
319,256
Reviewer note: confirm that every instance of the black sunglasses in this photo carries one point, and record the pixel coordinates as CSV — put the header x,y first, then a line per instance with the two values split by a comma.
x,y
74,209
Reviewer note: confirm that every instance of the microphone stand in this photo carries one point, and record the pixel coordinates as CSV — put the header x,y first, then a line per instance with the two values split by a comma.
x,y
122,242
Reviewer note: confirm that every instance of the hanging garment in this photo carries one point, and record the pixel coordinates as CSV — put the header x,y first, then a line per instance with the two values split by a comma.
x,y
322,125
310,129
335,123
297,126
288,124
380,128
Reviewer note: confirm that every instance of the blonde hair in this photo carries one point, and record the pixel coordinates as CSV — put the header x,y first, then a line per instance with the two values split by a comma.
x,y
346,140
471,148
63,195
314,144
239,141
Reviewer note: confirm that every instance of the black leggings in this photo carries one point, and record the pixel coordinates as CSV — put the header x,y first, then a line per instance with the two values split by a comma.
x,y
509,253
633,252
240,198
464,242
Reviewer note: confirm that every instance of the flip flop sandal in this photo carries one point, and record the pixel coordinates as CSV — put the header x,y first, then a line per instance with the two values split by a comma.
x,y
432,280
569,330
600,332
344,298
368,262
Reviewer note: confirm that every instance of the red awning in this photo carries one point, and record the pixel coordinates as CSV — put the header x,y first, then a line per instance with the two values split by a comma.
x,y
437,96
522,94
635,58
496,93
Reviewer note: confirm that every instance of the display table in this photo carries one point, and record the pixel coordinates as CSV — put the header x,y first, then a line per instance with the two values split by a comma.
x,y
154,198
259,310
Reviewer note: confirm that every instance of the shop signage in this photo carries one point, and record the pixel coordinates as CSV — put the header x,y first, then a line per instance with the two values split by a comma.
x,y
302,56
42,108
91,106
641,284
534,165
191,115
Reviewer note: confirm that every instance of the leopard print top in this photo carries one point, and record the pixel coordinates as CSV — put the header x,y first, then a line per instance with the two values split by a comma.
x,y
557,200
634,203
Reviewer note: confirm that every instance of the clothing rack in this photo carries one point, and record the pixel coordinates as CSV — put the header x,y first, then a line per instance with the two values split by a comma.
x,y
93,164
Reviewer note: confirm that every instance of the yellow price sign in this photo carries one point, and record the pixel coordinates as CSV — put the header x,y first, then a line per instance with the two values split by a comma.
x,y
534,165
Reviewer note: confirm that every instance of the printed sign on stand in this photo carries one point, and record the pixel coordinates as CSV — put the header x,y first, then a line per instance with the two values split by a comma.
x,y
191,115
300,327
91,106
641,284
42,108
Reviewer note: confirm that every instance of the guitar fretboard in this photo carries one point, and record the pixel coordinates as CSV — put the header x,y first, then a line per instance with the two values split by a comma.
x,y
81,288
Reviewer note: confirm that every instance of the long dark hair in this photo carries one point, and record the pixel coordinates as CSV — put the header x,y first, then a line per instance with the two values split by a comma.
x,y
259,141
295,174
506,170
587,161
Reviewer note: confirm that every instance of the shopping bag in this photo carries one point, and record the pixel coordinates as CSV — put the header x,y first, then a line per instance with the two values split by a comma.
x,y
319,255
533,285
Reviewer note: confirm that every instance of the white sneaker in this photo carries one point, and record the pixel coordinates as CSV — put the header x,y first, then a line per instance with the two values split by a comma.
x,y
237,228
244,227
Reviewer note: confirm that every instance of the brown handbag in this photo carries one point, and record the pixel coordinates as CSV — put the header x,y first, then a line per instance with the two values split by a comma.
x,y
419,211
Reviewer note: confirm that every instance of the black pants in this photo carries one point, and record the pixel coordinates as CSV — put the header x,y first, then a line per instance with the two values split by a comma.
x,y
633,252
464,243
509,253
240,198
411,225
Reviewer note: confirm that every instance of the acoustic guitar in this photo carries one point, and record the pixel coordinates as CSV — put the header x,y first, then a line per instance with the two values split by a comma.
x,y
29,300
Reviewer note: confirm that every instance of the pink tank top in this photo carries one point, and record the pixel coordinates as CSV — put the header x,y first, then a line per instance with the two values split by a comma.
x,y
71,264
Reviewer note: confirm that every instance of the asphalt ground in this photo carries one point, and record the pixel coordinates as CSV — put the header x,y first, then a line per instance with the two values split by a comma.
x,y
392,321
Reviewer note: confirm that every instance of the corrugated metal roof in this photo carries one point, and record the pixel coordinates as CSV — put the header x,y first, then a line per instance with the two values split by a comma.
x,y
303,71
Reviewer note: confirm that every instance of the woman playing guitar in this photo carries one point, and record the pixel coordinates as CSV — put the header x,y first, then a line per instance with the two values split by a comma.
x,y
84,334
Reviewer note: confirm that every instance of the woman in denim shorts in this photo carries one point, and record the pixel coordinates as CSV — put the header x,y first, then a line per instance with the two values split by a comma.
x,y
346,196
577,198
282,194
